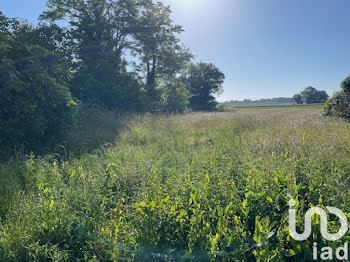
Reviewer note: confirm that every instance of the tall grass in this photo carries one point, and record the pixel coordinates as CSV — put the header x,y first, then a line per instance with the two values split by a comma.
x,y
203,187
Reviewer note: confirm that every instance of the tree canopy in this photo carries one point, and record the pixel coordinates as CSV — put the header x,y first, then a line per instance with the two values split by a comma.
x,y
339,104
120,55
204,81
36,104
311,95
159,49
99,32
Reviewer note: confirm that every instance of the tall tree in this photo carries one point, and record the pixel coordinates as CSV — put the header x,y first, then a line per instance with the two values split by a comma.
x,y
157,44
204,81
100,31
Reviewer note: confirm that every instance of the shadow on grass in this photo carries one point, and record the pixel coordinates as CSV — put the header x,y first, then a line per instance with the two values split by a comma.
x,y
96,129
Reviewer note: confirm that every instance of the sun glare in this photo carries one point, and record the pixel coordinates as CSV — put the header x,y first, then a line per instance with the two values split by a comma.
x,y
189,2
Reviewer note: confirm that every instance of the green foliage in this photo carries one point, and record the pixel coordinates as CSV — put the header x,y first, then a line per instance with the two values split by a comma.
x,y
298,98
221,107
158,47
339,104
99,34
345,85
311,95
176,97
36,106
202,187
43,67
122,93
14,178
86,137
204,81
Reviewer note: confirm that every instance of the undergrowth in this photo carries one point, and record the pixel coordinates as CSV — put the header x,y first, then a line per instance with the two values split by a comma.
x,y
197,187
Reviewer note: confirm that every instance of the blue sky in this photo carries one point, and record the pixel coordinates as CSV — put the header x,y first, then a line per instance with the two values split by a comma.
x,y
266,48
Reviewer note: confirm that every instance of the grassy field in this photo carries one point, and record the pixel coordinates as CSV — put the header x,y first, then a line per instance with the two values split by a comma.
x,y
269,105
196,187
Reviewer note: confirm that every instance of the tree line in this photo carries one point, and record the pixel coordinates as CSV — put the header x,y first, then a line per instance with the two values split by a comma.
x,y
309,95
121,55
275,100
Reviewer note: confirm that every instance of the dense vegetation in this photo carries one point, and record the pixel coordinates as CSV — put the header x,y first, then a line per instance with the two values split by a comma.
x,y
339,104
90,176
116,55
195,187
36,104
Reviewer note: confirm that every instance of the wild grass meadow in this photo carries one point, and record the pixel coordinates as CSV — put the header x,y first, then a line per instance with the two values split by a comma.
x,y
195,187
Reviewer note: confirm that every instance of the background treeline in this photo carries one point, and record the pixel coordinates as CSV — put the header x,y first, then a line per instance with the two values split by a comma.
x,y
309,95
116,55
276,100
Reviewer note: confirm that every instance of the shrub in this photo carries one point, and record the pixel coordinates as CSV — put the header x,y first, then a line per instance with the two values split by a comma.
x,y
120,92
36,104
339,104
177,98
345,85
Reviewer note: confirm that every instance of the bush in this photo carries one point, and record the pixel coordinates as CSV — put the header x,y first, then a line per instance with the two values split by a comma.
x,y
339,104
177,98
95,128
345,85
120,92
36,105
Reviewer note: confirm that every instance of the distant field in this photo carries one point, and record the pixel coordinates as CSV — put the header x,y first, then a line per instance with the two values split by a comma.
x,y
196,187
271,105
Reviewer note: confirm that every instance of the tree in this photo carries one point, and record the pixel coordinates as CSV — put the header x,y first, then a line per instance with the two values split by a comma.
x,y
176,97
100,32
36,105
311,95
204,81
298,99
345,85
339,104
159,49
